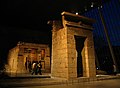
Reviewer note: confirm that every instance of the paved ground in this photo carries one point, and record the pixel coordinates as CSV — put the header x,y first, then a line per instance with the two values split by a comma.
x,y
44,81
112,83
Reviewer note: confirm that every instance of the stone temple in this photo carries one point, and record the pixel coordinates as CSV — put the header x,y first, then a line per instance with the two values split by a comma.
x,y
19,56
73,53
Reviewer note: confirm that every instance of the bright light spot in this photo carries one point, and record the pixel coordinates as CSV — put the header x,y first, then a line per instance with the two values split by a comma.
x,y
92,4
101,6
76,13
97,68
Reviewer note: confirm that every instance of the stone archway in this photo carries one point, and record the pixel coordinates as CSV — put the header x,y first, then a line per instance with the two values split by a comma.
x,y
66,51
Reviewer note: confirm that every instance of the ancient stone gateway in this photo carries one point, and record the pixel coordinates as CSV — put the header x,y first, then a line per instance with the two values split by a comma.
x,y
73,47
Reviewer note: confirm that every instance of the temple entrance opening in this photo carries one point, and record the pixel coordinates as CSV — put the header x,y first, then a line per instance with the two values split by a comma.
x,y
79,41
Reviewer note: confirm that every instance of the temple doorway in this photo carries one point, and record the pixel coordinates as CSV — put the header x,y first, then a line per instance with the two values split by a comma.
x,y
79,40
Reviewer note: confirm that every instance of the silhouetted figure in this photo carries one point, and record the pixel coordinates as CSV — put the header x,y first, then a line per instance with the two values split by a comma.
x,y
26,65
29,66
34,68
39,67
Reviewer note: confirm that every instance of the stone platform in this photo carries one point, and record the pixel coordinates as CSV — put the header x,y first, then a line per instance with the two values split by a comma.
x,y
46,79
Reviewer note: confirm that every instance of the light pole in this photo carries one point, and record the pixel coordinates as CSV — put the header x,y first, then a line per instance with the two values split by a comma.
x,y
108,38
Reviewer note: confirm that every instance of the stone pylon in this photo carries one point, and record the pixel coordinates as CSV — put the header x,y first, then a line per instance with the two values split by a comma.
x,y
73,47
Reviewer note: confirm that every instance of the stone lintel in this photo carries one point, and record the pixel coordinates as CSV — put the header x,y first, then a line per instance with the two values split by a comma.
x,y
78,25
70,19
77,18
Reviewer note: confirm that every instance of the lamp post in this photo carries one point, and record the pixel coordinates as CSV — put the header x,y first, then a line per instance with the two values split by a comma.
x,y
108,38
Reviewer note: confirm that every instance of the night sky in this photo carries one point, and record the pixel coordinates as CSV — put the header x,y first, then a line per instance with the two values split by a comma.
x,y
26,20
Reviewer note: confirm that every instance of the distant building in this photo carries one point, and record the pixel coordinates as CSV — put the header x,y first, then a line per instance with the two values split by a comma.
x,y
20,55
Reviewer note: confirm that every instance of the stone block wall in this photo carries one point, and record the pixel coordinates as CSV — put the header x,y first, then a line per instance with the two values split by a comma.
x,y
12,61
47,60
59,54
72,54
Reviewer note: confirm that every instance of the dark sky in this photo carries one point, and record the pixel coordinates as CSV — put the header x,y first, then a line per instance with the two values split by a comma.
x,y
34,14
22,19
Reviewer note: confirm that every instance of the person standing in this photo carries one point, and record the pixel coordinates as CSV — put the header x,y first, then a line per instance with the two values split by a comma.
x,y
39,67
26,65
29,66
34,68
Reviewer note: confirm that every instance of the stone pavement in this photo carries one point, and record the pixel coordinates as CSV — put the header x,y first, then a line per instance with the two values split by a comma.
x,y
46,79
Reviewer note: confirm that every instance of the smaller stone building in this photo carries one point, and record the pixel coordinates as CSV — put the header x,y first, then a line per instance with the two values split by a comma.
x,y
20,55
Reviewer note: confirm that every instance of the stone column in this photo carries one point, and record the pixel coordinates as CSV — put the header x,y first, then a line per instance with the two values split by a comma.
x,y
59,63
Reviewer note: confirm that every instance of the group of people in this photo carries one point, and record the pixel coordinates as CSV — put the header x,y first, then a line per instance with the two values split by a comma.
x,y
34,67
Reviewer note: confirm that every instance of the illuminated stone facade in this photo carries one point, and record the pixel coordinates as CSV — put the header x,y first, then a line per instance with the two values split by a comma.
x,y
25,52
72,47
